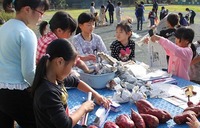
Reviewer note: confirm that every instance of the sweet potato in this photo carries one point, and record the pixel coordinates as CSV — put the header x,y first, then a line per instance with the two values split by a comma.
x,y
162,115
190,104
142,105
150,120
110,124
195,109
137,119
92,126
124,121
182,118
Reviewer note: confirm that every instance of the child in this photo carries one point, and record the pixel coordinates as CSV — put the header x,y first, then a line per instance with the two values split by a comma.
x,y
17,63
119,12
163,12
172,22
62,25
152,16
194,72
123,49
180,53
86,42
182,21
102,15
50,95
192,15
92,8
139,14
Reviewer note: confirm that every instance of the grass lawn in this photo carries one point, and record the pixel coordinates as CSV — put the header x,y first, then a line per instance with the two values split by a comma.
x,y
129,11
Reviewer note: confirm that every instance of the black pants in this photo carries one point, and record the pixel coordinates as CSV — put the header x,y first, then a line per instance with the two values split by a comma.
x,y
16,105
139,23
192,19
111,17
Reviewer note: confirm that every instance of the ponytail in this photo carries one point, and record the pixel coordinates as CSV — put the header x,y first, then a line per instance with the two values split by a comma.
x,y
42,27
192,46
40,73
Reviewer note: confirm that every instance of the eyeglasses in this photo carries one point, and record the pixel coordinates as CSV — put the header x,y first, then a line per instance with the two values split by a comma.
x,y
41,13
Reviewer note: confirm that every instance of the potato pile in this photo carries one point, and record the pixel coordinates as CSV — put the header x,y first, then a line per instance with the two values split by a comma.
x,y
148,117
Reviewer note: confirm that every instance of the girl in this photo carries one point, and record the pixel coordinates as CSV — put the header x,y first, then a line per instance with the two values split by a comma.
x,y
195,65
102,15
17,63
123,49
180,53
50,95
86,42
119,12
62,25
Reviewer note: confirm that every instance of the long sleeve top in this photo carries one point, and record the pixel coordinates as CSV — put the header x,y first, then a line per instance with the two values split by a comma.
x,y
180,58
88,47
50,104
18,45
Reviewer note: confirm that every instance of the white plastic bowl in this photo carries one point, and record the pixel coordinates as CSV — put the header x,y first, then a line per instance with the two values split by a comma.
x,y
97,81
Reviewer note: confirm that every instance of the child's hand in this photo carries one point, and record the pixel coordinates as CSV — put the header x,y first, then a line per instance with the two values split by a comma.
x,y
155,38
146,40
91,57
193,122
101,100
88,105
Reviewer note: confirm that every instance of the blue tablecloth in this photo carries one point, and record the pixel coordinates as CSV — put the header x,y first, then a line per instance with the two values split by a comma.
x,y
77,97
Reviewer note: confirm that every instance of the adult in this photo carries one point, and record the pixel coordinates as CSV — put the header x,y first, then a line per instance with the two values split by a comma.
x,y
192,14
18,45
110,7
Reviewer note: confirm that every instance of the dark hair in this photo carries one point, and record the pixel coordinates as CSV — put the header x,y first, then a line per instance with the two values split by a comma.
x,y
173,19
85,17
33,4
6,3
119,3
187,9
180,14
61,20
92,4
186,34
125,25
57,48
141,2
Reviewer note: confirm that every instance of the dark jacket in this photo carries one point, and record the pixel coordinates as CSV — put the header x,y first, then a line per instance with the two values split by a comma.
x,y
110,7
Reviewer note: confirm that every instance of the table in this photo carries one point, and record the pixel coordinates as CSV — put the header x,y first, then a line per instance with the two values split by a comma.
x,y
77,97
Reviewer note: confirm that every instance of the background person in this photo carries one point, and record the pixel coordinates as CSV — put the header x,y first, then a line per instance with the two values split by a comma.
x,y
17,64
110,7
192,15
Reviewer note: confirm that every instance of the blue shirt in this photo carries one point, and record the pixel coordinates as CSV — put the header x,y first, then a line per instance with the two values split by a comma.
x,y
18,45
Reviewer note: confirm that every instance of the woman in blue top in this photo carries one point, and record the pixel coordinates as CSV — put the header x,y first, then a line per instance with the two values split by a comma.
x,y
17,63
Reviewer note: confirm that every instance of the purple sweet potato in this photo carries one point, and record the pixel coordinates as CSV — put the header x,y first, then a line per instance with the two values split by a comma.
x,y
195,109
182,118
162,115
142,105
124,121
137,119
110,124
150,120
